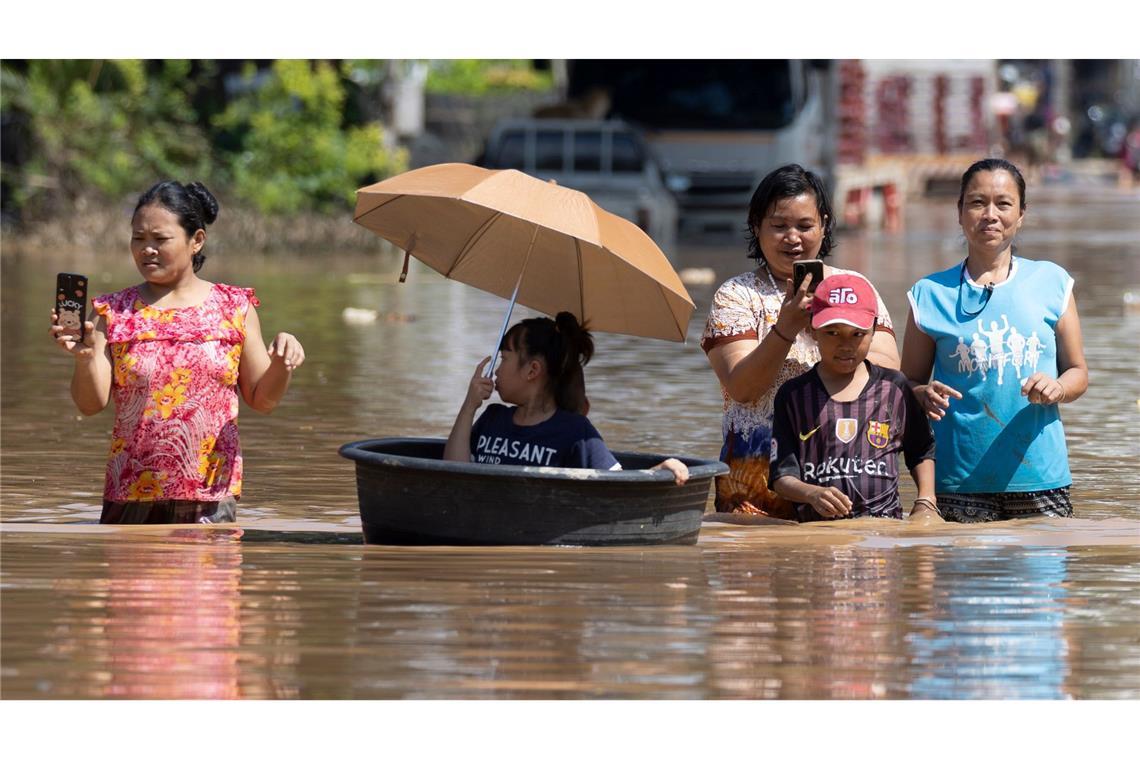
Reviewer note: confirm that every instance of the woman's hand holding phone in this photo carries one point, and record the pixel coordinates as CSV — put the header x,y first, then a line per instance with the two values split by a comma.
x,y
800,271
69,328
794,315
66,338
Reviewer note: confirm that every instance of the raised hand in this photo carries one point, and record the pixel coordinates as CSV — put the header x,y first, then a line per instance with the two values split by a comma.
x,y
285,347
795,314
480,388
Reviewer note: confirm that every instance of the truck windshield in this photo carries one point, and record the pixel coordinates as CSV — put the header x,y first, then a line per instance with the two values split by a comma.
x,y
716,95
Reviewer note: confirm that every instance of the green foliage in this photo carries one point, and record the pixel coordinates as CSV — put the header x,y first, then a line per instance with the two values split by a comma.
x,y
481,77
103,126
290,140
295,152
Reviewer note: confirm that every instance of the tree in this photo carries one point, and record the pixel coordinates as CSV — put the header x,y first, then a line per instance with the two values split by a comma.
x,y
296,153
101,128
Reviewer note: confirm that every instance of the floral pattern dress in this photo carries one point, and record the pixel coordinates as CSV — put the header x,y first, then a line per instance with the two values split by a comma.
x,y
745,308
175,390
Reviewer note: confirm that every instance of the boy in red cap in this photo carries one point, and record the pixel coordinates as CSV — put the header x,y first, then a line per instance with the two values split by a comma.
x,y
839,427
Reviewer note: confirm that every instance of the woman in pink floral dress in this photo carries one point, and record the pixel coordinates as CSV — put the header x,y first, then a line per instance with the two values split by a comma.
x,y
756,337
174,352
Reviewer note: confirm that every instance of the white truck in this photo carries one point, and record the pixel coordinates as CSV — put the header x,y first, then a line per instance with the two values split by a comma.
x,y
718,126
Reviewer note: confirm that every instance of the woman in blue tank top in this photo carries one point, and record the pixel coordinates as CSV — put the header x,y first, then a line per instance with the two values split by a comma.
x,y
993,347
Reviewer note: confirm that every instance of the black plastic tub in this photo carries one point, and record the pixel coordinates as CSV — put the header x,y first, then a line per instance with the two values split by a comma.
x,y
410,496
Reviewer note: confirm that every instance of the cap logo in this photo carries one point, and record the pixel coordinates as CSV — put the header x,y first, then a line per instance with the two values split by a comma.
x,y
842,296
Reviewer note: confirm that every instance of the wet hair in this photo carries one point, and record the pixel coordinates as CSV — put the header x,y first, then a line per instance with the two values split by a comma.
x,y
565,346
992,165
193,204
788,182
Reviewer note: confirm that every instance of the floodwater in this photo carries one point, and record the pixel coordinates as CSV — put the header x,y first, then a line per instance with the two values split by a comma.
x,y
289,604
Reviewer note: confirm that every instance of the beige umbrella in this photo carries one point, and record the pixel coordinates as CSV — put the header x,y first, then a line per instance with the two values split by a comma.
x,y
548,247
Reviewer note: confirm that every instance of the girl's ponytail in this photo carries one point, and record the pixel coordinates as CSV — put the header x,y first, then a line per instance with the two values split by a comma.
x,y
576,351
565,346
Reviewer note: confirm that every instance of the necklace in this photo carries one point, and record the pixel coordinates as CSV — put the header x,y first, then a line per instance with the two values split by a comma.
x,y
771,279
988,288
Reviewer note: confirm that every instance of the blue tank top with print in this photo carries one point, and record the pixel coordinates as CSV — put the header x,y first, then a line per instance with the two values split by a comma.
x,y
993,440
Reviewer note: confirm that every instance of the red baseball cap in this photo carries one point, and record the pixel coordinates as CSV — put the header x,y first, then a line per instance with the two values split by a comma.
x,y
845,299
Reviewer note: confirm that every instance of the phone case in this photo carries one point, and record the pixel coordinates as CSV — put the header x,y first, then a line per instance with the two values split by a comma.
x,y
800,270
71,302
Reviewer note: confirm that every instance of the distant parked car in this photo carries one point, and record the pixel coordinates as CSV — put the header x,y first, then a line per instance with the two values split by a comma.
x,y
607,160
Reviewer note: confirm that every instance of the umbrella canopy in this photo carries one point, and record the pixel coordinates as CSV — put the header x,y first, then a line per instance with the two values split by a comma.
x,y
503,231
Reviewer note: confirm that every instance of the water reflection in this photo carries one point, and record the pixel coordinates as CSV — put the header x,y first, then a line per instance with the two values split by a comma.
x,y
132,618
858,613
813,622
1003,636
536,625
171,625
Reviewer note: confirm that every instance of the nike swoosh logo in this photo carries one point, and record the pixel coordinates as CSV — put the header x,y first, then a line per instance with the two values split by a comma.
x,y
808,434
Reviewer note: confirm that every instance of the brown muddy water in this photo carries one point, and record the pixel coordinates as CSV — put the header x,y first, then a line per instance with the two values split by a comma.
x,y
289,604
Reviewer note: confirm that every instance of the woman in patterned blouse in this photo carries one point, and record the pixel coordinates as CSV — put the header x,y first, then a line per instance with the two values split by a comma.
x,y
174,353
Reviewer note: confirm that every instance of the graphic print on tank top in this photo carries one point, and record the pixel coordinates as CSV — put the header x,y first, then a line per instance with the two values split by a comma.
x,y
1003,345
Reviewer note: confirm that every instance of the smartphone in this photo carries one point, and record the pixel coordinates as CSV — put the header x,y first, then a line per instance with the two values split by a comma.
x,y
800,270
71,303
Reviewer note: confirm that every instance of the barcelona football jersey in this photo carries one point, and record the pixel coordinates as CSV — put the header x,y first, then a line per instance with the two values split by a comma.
x,y
851,445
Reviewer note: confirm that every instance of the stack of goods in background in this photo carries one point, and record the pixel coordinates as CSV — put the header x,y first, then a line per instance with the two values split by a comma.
x,y
929,117
891,125
852,112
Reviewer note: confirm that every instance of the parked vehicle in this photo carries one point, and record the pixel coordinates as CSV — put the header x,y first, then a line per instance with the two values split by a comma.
x,y
718,126
607,160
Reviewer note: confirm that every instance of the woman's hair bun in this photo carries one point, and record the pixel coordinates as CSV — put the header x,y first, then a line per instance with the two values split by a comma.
x,y
206,200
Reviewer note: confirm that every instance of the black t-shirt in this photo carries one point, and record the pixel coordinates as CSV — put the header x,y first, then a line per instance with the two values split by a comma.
x,y
565,440
851,445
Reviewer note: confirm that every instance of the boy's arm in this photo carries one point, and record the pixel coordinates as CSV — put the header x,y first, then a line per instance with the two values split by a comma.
x,y
925,502
784,470
918,451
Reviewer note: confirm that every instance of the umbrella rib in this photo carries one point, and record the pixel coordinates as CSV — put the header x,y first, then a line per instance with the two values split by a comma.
x,y
471,241
669,308
377,206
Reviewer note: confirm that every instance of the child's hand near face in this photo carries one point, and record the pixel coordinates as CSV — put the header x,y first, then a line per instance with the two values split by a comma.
x,y
480,388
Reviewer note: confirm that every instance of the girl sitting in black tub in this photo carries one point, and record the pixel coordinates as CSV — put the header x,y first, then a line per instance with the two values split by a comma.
x,y
541,374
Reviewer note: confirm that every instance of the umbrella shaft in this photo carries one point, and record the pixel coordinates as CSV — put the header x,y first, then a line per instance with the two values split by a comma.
x,y
503,330
514,296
